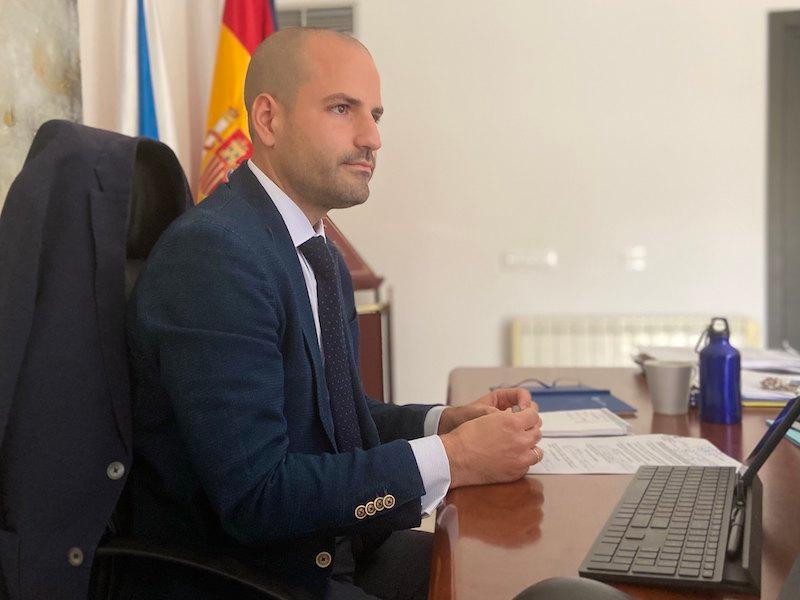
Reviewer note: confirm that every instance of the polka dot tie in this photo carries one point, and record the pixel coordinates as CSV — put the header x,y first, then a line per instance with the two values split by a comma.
x,y
338,376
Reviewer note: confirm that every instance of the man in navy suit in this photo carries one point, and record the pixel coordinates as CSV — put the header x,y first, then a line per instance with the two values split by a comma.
x,y
252,434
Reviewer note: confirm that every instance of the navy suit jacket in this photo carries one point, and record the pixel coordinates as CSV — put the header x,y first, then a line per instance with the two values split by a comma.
x,y
233,435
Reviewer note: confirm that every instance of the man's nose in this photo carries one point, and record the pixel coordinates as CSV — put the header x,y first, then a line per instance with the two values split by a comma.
x,y
367,135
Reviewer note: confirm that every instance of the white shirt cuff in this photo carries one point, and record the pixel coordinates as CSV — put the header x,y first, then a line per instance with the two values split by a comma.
x,y
434,468
431,425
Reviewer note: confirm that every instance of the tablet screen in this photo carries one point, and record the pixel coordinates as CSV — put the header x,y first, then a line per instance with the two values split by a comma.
x,y
769,440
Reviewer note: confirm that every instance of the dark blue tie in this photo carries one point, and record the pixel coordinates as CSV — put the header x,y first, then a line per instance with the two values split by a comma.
x,y
338,376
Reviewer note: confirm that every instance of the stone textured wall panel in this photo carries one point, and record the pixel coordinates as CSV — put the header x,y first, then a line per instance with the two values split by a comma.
x,y
40,78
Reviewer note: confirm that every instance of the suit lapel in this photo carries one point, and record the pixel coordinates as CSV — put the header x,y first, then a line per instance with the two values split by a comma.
x,y
21,225
109,212
244,184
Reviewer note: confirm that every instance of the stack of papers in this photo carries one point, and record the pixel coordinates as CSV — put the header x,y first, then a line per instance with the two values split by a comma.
x,y
752,358
770,360
753,387
583,423
622,455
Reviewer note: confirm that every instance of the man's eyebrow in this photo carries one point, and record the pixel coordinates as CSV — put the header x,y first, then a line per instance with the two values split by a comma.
x,y
340,97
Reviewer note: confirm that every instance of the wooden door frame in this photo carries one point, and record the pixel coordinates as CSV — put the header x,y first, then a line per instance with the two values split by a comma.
x,y
782,26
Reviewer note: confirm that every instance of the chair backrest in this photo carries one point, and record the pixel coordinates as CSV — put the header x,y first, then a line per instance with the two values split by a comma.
x,y
158,196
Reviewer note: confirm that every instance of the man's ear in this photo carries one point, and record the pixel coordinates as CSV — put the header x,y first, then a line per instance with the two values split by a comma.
x,y
264,116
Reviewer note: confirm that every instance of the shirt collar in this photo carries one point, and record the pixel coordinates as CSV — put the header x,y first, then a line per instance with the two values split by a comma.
x,y
297,223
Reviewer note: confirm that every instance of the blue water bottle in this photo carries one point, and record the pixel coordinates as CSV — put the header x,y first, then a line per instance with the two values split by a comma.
x,y
720,375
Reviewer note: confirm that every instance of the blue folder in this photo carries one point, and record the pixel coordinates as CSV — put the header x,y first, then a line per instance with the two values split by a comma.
x,y
793,435
577,398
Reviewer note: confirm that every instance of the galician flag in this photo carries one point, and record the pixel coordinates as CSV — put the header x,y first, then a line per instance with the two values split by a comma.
x,y
245,23
145,100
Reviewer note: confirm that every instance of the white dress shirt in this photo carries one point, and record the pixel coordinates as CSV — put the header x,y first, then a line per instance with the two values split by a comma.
x,y
429,453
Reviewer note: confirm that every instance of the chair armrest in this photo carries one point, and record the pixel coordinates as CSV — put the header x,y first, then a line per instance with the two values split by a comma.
x,y
224,567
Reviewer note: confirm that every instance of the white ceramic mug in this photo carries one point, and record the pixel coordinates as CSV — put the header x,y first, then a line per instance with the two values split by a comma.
x,y
669,383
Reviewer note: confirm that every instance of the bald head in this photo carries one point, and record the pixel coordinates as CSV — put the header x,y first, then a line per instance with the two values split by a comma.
x,y
313,104
281,63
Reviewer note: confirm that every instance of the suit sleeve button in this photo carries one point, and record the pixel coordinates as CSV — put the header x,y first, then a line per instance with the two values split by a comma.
x,y
388,501
324,559
361,512
379,504
370,508
115,470
75,557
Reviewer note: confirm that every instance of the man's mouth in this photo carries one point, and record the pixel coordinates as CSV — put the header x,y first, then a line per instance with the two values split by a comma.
x,y
362,166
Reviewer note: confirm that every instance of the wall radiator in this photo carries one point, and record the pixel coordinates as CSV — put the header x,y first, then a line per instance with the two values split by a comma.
x,y
611,340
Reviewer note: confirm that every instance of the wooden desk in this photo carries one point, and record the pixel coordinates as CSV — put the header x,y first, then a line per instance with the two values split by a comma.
x,y
494,541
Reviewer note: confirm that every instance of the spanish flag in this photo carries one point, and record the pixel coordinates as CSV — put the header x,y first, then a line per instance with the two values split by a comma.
x,y
245,23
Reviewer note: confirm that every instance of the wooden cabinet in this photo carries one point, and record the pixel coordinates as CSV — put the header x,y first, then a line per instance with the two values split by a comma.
x,y
374,322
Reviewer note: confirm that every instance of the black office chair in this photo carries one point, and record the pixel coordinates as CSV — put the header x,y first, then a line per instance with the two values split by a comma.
x,y
76,229
571,588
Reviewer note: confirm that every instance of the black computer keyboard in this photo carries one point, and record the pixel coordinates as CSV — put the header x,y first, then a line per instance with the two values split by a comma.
x,y
670,527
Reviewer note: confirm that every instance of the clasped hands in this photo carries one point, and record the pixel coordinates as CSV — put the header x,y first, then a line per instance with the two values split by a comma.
x,y
487,442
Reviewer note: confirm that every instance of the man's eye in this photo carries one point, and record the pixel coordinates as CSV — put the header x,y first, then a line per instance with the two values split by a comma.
x,y
340,109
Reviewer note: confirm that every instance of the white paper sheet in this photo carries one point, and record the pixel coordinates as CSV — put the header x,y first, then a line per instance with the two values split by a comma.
x,y
572,456
583,423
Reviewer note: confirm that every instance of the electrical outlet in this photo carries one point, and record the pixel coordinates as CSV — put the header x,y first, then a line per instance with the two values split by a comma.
x,y
635,258
547,259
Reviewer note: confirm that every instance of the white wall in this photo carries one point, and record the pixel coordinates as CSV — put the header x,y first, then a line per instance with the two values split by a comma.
x,y
577,126
582,127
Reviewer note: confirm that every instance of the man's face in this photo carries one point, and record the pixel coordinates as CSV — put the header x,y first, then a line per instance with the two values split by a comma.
x,y
327,147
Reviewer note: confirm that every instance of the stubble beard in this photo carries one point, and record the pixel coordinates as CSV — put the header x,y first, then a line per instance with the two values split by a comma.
x,y
333,186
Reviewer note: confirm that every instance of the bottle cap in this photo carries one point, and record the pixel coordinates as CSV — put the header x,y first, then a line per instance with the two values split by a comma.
x,y
719,328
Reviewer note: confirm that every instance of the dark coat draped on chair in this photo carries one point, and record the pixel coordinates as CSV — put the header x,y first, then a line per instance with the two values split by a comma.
x,y
70,231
